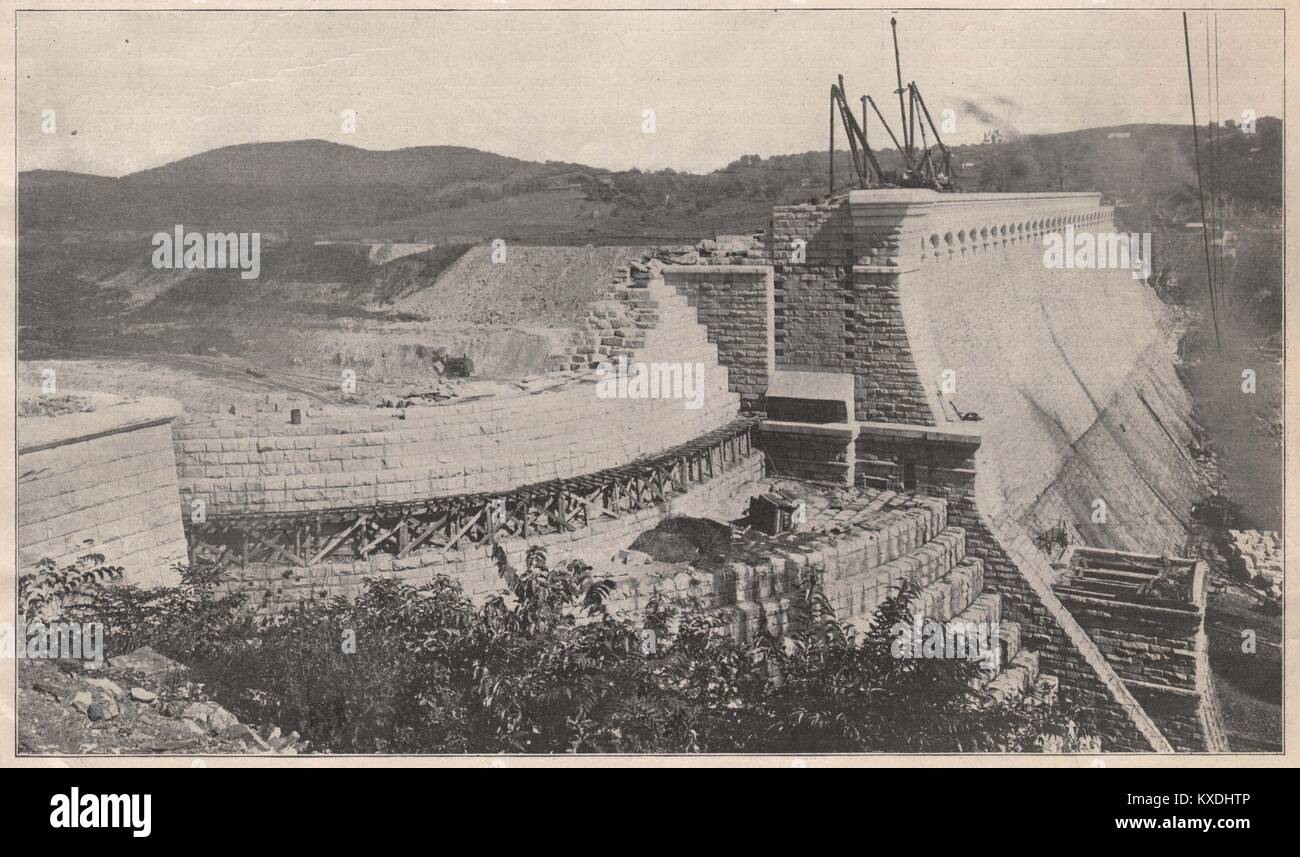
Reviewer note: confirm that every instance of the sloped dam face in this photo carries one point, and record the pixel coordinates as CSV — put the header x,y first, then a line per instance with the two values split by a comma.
x,y
950,313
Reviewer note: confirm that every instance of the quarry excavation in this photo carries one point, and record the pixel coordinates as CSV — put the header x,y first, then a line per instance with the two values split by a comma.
x,y
864,406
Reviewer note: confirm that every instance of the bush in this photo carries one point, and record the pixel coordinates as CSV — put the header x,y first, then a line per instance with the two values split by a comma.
x,y
545,668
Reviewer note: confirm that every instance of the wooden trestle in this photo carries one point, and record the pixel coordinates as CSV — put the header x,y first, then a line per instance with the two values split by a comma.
x,y
446,523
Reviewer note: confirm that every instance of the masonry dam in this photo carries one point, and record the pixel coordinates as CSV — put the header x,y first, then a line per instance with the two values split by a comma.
x,y
838,361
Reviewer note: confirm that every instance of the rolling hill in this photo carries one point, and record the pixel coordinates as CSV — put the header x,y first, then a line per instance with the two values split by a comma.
x,y
84,239
317,189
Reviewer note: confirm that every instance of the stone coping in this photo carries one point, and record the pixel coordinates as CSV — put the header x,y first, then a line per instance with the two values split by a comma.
x,y
924,196
847,431
958,434
37,433
821,386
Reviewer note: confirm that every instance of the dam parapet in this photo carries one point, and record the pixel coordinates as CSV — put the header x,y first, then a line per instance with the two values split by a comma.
x,y
905,227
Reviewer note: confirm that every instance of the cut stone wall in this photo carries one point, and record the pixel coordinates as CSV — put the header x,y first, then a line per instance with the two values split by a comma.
x,y
735,304
816,453
1155,643
833,313
1087,681
1157,663
752,591
102,482
850,320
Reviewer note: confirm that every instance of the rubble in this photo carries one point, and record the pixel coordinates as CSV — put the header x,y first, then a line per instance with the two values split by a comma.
x,y
65,709
725,250
1256,556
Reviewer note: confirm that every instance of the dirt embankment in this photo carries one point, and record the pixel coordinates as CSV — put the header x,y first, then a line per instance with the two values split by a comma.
x,y
520,285
386,314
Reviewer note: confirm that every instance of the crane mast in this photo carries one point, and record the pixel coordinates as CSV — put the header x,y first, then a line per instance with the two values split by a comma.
x,y
926,166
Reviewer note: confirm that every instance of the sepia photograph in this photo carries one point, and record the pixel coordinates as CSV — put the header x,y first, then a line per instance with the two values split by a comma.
x,y
792,385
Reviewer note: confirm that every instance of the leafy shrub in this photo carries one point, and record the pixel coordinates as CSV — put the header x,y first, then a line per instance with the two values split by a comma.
x,y
544,667
47,591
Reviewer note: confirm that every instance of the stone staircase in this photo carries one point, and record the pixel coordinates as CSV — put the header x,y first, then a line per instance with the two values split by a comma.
x,y
643,320
672,332
877,543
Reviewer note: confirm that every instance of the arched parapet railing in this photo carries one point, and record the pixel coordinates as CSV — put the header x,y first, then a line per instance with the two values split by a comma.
x,y
924,226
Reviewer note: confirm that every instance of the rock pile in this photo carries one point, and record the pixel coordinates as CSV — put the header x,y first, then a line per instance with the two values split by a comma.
x,y
1256,555
724,250
141,702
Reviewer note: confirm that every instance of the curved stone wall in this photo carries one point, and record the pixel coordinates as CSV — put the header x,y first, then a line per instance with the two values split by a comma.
x,y
349,458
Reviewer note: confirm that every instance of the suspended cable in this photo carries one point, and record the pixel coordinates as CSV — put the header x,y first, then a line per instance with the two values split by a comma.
x,y
1225,291
1212,147
1196,151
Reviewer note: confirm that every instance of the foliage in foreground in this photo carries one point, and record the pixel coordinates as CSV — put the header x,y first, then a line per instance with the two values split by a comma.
x,y
545,668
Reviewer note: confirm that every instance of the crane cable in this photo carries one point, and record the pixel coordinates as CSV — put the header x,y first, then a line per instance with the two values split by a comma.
x,y
1196,151
1215,223
1225,293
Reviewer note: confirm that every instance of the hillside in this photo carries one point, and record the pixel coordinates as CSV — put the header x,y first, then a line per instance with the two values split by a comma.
x,y
349,233
435,194
301,188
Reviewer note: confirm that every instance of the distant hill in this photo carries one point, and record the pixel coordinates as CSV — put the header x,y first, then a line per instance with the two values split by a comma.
x,y
316,163
294,189
313,188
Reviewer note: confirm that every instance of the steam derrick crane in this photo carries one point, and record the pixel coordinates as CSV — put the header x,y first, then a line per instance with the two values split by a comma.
x,y
864,160
926,166
926,172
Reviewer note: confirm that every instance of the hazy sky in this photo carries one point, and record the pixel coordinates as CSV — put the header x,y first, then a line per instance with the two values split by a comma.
x,y
142,89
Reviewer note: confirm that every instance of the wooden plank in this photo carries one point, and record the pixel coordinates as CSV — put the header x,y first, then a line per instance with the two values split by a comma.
x,y
423,535
338,540
274,546
452,541
382,537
